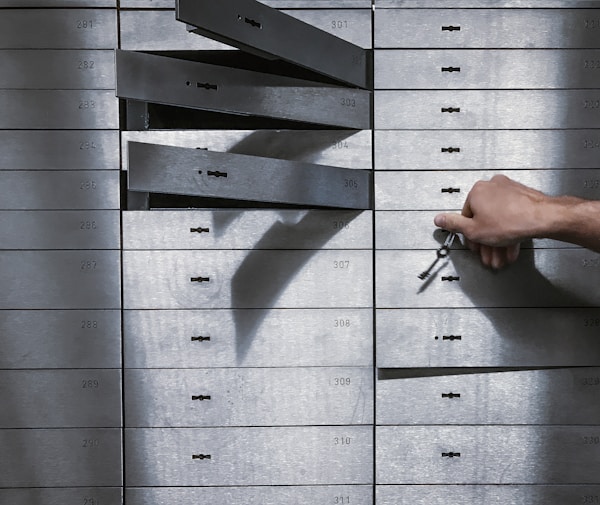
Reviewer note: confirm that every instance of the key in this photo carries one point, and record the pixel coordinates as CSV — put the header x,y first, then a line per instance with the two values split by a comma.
x,y
441,253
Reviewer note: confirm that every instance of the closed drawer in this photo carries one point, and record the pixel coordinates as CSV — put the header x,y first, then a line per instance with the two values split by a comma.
x,y
60,280
569,396
248,397
248,338
85,229
60,339
49,496
61,398
247,229
240,279
487,455
59,150
58,29
61,458
59,109
85,190
487,69
487,109
507,337
485,149
429,190
57,69
486,28
542,278
249,456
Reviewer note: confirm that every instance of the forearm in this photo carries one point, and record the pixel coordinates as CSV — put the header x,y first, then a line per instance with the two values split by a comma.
x,y
573,220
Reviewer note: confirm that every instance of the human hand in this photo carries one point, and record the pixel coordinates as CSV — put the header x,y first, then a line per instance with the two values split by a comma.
x,y
497,216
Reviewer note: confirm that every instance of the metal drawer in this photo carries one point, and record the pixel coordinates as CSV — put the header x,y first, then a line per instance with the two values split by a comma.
x,y
50,496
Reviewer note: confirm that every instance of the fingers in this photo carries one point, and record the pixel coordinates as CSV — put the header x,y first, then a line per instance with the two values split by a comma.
x,y
498,257
453,222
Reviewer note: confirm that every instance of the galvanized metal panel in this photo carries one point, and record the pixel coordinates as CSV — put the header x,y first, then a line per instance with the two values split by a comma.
x,y
87,229
485,149
488,455
58,29
85,190
58,3
60,280
565,396
57,69
406,230
185,171
170,81
489,28
58,109
339,148
239,279
248,397
247,229
432,190
508,337
249,456
253,26
60,398
487,109
139,29
487,69
248,338
60,339
490,495
61,458
280,4
60,496
251,495
543,278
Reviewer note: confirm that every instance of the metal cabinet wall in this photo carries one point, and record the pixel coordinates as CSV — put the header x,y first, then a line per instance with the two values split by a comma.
x,y
289,355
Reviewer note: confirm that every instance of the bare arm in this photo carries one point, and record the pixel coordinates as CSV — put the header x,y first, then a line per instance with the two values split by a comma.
x,y
500,213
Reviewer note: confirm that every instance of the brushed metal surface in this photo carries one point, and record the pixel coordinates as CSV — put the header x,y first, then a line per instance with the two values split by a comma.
x,y
139,28
387,224
61,458
280,4
85,190
58,29
252,26
60,339
249,456
248,338
487,69
186,171
569,396
240,279
60,280
58,109
490,494
86,229
488,28
50,496
543,278
489,337
60,398
251,495
57,69
486,149
247,229
487,109
470,4
433,190
488,455
339,148
248,397
58,3
59,150
169,81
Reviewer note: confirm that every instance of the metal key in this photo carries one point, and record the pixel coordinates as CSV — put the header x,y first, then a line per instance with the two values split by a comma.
x,y
441,253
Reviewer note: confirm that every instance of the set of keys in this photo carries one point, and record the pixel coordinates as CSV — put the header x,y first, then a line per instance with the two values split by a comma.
x,y
441,253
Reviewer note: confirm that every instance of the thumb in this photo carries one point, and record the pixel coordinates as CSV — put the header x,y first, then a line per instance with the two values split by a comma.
x,y
456,223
